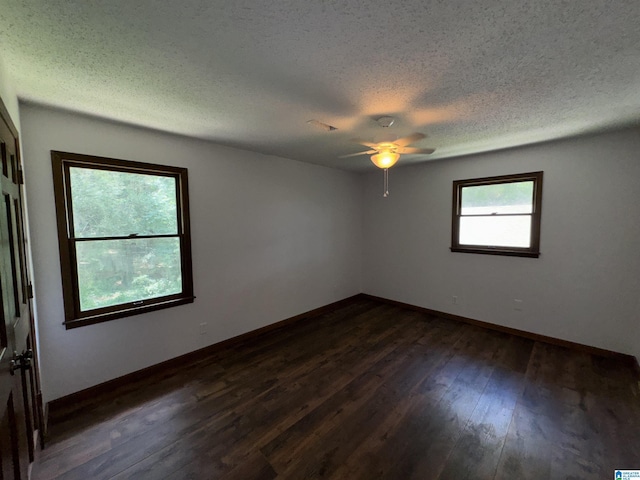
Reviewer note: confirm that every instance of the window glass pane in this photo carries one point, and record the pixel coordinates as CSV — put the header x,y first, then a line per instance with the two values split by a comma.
x,y
111,272
513,197
510,231
109,204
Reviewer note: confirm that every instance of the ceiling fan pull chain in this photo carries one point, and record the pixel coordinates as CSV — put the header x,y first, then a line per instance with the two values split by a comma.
x,y
386,183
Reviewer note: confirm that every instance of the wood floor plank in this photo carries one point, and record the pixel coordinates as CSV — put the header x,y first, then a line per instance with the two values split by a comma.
x,y
369,390
353,422
477,452
372,457
431,433
528,447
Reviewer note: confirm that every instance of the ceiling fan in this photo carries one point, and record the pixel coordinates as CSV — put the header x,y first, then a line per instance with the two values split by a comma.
x,y
385,154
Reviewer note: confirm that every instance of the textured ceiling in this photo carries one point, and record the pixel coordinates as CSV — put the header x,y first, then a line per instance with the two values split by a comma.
x,y
473,76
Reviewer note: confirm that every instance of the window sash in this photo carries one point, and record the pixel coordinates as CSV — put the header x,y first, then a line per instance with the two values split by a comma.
x,y
490,197
116,258
497,231
124,181
125,167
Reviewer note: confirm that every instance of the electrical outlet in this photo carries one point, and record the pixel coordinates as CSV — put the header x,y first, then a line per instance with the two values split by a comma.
x,y
454,300
203,328
517,305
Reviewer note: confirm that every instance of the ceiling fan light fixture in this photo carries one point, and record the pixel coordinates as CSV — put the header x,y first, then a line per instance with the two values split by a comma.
x,y
385,159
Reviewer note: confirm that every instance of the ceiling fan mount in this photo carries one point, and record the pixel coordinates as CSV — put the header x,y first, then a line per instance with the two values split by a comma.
x,y
385,121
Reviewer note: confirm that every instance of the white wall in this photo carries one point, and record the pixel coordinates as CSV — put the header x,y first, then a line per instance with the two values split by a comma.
x,y
585,287
271,238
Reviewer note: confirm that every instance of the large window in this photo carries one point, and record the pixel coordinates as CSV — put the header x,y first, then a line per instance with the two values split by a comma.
x,y
123,230
498,215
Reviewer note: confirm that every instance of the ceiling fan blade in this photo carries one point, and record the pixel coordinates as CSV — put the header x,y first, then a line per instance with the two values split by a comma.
x,y
409,139
368,152
414,150
364,142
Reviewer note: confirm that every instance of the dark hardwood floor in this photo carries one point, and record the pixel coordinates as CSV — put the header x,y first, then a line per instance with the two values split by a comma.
x,y
368,391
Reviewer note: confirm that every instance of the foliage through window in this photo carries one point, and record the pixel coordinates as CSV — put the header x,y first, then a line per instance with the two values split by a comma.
x,y
123,230
498,215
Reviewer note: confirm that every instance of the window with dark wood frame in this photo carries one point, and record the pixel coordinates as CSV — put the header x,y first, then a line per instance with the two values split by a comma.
x,y
124,237
497,215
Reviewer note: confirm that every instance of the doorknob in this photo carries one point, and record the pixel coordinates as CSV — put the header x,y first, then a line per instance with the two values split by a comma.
x,y
20,362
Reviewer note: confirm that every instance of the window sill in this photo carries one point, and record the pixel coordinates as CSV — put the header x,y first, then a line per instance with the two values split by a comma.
x,y
497,251
105,317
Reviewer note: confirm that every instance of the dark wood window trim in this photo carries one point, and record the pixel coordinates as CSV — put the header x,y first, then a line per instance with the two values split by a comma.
x,y
74,316
533,250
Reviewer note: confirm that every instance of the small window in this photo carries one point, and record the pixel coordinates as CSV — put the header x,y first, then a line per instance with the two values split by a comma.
x,y
498,215
124,237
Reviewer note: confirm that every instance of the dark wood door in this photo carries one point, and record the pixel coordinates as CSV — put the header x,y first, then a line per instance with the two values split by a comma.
x,y
19,383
